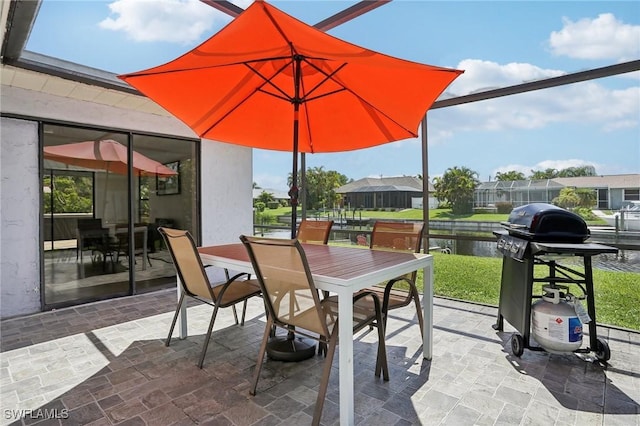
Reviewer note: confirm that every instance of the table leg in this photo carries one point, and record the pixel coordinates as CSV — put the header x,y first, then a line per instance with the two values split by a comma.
x,y
427,306
182,318
345,369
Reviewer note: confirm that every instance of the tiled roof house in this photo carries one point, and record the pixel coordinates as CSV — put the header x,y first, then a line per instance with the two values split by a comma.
x,y
398,192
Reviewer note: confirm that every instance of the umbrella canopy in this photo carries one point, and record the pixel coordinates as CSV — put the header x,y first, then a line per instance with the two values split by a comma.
x,y
106,155
270,81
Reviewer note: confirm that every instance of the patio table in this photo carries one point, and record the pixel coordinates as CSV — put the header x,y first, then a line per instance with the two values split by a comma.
x,y
344,271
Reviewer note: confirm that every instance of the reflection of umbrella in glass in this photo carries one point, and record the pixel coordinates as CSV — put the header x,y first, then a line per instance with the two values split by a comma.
x,y
108,155
270,81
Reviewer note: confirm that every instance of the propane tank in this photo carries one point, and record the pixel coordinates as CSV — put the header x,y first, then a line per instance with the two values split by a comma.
x,y
555,323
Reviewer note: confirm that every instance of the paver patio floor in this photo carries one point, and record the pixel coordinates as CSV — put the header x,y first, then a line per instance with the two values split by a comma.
x,y
106,363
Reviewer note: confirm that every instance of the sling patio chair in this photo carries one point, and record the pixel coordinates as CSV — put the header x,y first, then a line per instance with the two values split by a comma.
x,y
196,283
91,235
398,236
140,242
314,231
293,303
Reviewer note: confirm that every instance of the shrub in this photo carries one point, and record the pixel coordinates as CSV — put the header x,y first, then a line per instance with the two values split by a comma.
x,y
504,207
585,213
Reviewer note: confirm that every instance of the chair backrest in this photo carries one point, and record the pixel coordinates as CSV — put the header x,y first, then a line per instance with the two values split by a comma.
x,y
314,231
187,262
89,224
139,240
283,273
397,236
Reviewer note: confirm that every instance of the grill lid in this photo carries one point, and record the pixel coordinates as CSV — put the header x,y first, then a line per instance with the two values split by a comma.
x,y
546,222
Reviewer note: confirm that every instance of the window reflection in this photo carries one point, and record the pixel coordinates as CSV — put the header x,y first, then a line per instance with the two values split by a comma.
x,y
94,247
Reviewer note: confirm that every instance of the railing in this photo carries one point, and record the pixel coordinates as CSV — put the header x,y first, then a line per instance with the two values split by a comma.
x,y
460,231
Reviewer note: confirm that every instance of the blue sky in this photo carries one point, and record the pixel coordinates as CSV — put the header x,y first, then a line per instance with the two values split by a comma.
x,y
497,43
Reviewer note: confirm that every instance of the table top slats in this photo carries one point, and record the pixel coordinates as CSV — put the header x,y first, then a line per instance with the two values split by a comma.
x,y
334,264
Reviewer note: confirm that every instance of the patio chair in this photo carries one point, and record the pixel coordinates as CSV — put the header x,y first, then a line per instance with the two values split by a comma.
x,y
293,303
92,236
314,231
139,242
405,237
196,284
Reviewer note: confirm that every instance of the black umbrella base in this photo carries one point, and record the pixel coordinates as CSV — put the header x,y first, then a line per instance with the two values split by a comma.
x,y
290,350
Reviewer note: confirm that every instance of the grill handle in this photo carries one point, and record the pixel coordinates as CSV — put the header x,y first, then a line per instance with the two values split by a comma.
x,y
513,225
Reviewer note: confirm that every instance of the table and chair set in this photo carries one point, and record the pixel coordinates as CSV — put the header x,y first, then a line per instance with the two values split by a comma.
x,y
308,287
108,244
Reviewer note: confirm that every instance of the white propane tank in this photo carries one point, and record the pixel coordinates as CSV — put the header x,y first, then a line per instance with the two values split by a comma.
x,y
555,324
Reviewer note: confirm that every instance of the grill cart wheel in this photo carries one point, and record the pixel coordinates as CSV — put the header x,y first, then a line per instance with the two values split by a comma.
x,y
602,350
517,345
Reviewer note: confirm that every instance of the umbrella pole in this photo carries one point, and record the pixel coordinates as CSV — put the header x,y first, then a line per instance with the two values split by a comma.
x,y
425,185
290,348
293,192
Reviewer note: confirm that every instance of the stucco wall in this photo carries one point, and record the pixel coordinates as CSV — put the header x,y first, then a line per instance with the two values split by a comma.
x,y
226,192
19,218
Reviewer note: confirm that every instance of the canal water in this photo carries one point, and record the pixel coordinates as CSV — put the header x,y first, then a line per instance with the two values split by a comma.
x,y
623,261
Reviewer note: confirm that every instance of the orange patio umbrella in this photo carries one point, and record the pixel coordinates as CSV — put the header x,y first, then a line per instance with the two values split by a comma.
x,y
106,155
270,81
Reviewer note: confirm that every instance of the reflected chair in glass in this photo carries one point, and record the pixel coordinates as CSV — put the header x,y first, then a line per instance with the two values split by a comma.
x,y
314,231
90,235
293,303
398,236
196,283
140,242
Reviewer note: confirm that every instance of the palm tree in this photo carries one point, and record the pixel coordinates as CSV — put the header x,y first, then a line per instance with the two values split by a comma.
x,y
457,186
509,176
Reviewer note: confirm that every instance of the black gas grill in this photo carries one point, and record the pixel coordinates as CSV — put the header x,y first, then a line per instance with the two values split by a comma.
x,y
540,235
546,222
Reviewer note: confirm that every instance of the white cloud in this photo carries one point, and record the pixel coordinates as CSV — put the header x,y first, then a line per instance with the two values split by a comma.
x,y
588,101
482,75
179,21
562,164
604,37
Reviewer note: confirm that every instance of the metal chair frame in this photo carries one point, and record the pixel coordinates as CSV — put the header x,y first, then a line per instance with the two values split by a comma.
x,y
195,283
321,318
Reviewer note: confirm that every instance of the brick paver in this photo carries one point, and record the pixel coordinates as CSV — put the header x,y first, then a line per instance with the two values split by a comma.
x,y
106,363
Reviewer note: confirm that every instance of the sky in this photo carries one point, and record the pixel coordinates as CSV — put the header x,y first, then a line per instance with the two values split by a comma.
x,y
496,43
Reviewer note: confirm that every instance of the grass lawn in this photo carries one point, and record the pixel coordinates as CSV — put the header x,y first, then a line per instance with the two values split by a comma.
x,y
477,279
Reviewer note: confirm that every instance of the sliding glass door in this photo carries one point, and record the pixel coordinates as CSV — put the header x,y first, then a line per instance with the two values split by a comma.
x,y
104,195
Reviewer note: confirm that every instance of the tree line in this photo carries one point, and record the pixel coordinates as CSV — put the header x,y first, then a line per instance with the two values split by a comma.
x,y
318,192
456,187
